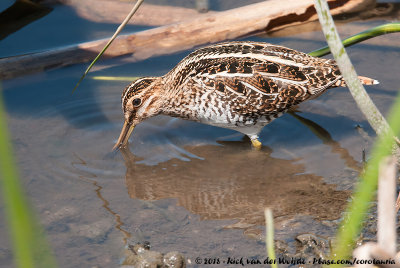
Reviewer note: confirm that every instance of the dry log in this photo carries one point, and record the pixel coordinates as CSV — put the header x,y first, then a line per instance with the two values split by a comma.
x,y
106,11
203,29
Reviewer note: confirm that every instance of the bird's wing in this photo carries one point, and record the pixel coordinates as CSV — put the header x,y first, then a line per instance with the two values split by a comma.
x,y
277,85
273,74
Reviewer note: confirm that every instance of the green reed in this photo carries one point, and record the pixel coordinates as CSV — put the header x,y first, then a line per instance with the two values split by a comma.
x,y
362,36
30,248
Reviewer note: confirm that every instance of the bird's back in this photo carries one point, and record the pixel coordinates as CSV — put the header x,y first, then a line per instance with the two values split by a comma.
x,y
253,78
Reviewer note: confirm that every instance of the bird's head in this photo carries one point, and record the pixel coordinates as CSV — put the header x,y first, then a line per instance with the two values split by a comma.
x,y
140,100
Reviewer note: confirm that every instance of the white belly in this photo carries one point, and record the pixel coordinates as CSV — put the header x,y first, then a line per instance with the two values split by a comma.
x,y
237,123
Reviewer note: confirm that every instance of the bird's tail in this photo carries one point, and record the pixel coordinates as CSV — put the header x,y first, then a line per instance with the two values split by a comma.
x,y
368,81
364,80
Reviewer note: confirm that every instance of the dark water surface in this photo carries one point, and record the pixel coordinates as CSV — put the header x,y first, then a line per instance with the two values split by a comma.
x,y
181,185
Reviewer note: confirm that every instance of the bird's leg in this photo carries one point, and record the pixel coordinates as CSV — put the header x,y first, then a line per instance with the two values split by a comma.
x,y
255,142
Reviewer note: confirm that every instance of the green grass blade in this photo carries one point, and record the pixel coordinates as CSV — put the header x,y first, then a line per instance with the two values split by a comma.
x,y
133,11
29,246
115,78
362,36
269,239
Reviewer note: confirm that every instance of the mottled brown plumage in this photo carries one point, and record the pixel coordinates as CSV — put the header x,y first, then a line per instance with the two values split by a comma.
x,y
237,85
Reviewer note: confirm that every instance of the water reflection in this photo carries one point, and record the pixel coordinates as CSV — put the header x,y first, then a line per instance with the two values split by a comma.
x,y
233,182
20,14
327,139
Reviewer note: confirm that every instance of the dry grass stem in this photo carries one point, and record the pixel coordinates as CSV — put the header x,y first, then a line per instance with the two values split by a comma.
x,y
386,206
269,235
385,248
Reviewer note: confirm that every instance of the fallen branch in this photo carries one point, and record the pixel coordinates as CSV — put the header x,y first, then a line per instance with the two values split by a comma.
x,y
203,29
106,11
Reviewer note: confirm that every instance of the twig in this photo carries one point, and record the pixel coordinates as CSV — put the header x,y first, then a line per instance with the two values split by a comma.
x,y
386,206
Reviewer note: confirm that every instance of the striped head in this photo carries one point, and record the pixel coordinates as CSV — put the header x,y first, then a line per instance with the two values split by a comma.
x,y
140,100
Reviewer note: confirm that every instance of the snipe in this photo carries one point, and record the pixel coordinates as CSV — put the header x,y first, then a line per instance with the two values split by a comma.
x,y
237,85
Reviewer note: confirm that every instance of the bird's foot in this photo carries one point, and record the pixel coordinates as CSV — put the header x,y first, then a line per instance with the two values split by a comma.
x,y
256,144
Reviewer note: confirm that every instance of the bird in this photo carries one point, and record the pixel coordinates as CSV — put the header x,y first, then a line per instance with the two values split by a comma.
x,y
239,85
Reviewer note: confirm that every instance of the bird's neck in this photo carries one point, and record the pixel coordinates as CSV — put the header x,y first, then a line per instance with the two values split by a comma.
x,y
176,100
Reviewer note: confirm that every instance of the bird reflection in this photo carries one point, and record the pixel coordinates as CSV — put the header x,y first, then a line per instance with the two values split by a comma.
x,y
326,139
232,182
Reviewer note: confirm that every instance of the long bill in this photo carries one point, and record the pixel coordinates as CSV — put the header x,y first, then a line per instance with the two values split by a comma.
x,y
124,136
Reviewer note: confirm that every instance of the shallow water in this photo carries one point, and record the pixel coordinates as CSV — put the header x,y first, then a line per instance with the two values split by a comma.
x,y
181,185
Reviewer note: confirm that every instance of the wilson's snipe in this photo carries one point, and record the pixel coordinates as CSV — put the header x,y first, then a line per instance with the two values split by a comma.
x,y
237,85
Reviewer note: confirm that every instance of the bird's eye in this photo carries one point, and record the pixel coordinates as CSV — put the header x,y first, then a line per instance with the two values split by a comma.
x,y
136,102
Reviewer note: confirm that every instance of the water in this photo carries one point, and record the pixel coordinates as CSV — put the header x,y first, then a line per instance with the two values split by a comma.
x,y
181,185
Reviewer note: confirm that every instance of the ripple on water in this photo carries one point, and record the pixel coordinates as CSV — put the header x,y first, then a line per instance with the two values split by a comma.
x,y
234,183
84,131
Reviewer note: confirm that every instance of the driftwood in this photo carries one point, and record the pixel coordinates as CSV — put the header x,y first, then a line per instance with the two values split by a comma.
x,y
106,11
202,29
